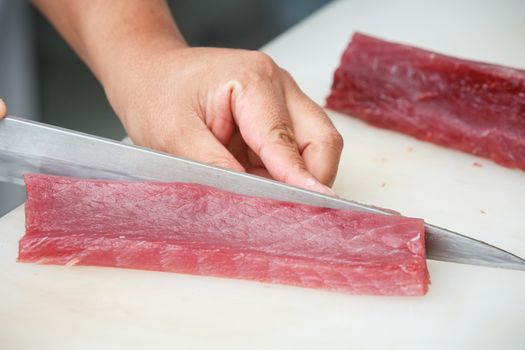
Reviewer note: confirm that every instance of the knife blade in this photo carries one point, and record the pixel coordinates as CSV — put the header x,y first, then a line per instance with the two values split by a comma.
x,y
33,147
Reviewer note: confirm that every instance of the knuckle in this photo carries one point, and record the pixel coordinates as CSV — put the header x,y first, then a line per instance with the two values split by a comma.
x,y
286,74
282,133
334,139
289,81
279,136
263,65
337,140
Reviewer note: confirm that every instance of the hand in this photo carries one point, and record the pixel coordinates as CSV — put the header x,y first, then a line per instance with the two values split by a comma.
x,y
3,109
232,108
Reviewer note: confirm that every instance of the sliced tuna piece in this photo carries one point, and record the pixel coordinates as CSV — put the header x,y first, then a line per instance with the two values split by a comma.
x,y
195,229
470,106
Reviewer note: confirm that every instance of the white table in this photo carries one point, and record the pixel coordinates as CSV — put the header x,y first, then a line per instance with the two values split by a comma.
x,y
468,307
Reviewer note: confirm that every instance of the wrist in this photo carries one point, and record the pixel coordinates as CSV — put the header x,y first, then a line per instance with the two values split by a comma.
x,y
129,70
126,57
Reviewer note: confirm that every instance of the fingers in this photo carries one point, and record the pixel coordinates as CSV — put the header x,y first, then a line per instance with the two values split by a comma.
x,y
194,141
262,116
246,156
3,109
318,140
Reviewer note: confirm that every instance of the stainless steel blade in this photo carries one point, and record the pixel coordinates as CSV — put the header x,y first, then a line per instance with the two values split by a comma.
x,y
31,147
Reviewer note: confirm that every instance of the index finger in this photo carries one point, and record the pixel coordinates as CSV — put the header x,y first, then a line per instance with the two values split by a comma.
x,y
262,116
319,141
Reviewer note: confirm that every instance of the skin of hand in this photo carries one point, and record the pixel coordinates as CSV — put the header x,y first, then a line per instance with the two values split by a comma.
x,y
3,109
232,108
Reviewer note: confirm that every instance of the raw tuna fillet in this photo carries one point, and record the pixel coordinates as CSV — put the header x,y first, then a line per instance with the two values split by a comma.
x,y
195,229
474,107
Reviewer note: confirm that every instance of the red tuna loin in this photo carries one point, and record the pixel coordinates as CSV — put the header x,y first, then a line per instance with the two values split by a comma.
x,y
195,229
474,107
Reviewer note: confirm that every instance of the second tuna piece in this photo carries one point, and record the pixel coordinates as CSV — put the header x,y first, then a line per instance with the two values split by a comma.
x,y
471,106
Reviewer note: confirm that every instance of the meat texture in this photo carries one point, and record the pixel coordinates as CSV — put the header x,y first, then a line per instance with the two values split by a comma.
x,y
470,106
195,229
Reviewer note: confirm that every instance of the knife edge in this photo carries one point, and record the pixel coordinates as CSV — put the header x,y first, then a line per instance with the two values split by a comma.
x,y
26,146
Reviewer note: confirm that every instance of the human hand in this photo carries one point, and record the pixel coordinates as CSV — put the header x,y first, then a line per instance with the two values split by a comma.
x,y
232,108
3,109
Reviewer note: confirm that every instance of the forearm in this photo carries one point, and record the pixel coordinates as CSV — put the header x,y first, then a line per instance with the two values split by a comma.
x,y
108,34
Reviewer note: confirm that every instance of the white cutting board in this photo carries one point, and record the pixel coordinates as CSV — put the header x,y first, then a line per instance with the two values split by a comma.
x,y
468,307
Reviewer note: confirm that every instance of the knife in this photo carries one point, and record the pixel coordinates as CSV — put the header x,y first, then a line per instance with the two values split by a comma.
x,y
32,147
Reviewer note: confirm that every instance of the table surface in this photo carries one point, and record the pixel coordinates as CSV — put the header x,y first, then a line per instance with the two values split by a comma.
x,y
467,307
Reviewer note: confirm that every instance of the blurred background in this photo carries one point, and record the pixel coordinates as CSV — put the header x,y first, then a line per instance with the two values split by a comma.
x,y
41,78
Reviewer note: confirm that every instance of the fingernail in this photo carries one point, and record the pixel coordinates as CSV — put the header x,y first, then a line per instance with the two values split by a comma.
x,y
314,185
329,191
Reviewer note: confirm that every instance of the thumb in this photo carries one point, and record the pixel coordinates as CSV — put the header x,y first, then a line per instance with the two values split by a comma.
x,y
3,109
